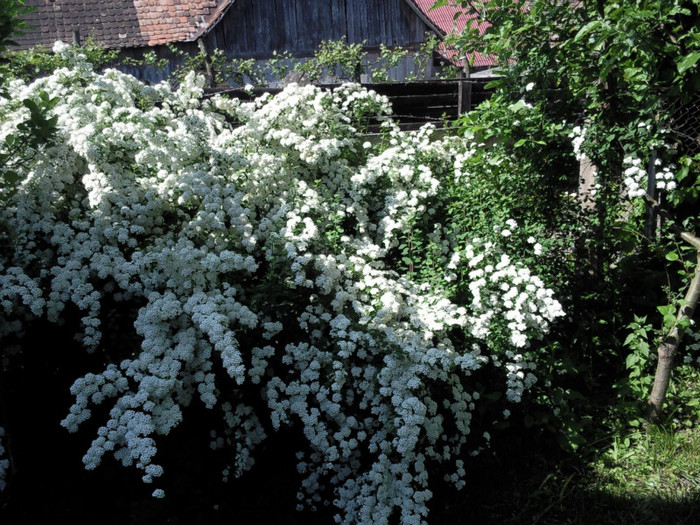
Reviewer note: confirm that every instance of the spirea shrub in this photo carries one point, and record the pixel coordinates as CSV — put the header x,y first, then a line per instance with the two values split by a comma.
x,y
259,247
636,177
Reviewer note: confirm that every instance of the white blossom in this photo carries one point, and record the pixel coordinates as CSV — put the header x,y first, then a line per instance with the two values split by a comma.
x,y
263,254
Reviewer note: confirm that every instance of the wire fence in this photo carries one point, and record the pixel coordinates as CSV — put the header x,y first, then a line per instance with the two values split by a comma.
x,y
684,122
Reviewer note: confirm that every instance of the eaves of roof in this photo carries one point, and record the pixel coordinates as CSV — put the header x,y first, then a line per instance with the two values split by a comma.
x,y
213,19
451,19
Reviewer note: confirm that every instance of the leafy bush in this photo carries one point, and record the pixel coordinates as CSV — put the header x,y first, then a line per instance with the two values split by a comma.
x,y
286,272
335,57
39,61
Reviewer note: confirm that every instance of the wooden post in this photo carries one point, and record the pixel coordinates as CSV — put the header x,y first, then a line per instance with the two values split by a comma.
x,y
586,183
209,74
464,90
649,225
76,37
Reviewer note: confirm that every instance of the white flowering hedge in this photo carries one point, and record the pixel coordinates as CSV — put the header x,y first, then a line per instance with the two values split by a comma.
x,y
260,267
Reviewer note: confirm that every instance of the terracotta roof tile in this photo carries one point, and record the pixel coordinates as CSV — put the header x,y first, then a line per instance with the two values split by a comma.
x,y
451,19
119,23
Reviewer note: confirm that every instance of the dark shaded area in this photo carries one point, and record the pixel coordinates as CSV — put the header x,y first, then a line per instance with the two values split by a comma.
x,y
49,484
524,479
528,479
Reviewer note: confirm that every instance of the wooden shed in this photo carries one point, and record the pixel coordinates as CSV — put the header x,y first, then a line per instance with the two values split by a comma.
x,y
242,29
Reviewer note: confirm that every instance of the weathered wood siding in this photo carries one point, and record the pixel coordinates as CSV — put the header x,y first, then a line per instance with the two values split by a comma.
x,y
254,29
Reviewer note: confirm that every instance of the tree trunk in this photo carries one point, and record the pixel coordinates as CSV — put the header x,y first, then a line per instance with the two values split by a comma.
x,y
669,344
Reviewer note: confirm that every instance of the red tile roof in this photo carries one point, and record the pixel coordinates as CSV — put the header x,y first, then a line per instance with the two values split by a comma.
x,y
118,24
450,19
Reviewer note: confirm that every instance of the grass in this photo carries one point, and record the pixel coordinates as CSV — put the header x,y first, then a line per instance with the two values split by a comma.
x,y
650,473
629,472
657,467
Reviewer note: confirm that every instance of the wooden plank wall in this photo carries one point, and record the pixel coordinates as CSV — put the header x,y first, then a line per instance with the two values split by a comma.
x,y
253,29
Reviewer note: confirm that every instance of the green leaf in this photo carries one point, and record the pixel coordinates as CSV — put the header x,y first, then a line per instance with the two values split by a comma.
x,y
439,3
517,106
688,61
668,309
590,26
671,256
31,105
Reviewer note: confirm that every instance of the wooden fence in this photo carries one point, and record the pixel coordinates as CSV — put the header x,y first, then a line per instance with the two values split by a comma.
x,y
436,101
414,103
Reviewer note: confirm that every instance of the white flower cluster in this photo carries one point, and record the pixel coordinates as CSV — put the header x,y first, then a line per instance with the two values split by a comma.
x,y
506,295
636,177
578,137
4,462
506,290
262,255
242,432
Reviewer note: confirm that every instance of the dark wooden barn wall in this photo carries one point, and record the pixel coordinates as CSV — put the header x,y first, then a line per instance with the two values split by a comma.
x,y
254,29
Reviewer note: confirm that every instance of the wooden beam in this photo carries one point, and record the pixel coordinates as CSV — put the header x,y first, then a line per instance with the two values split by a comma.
x,y
427,21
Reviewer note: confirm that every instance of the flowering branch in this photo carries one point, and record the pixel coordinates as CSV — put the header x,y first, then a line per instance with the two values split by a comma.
x,y
266,255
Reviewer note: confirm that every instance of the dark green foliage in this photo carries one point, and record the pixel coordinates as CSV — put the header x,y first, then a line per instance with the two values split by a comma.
x,y
31,136
10,24
613,70
37,131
